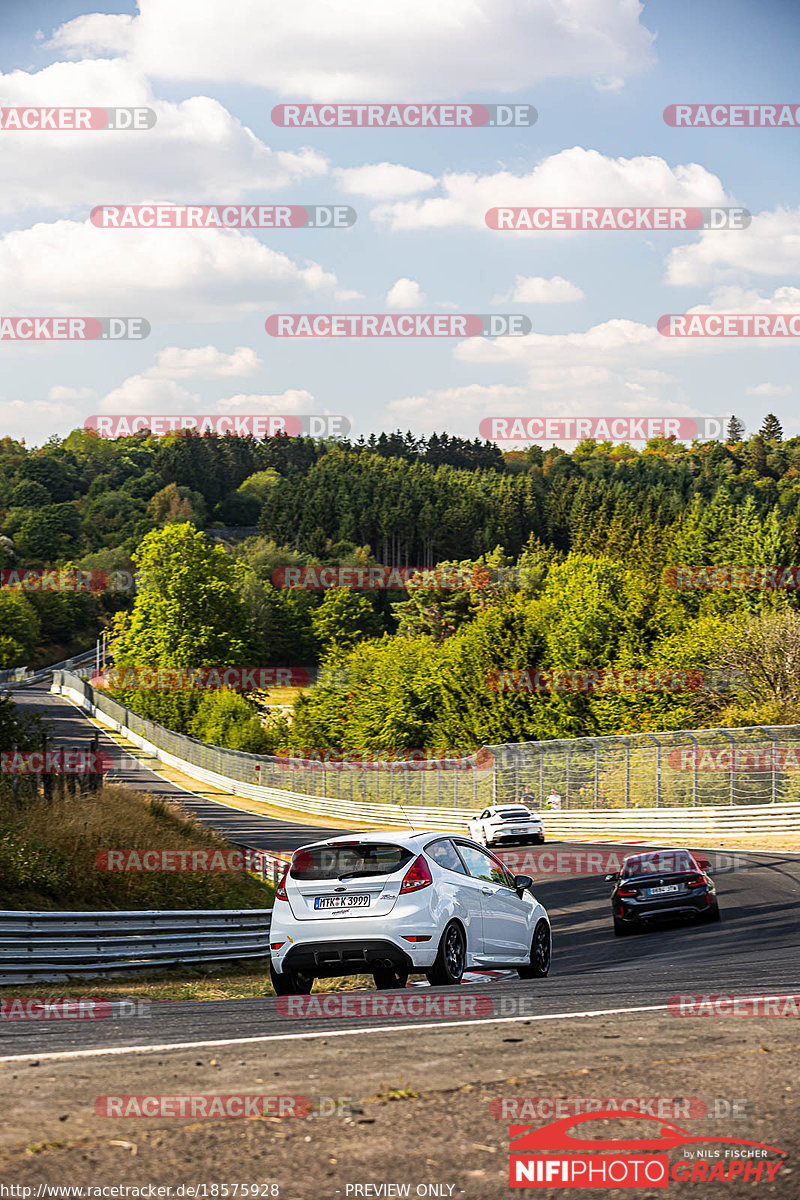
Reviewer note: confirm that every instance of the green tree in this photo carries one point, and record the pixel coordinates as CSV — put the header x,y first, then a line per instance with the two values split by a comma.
x,y
19,629
174,505
224,718
771,430
189,610
735,430
343,618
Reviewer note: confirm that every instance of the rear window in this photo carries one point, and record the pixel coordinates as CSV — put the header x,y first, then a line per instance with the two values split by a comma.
x,y
513,812
349,860
664,863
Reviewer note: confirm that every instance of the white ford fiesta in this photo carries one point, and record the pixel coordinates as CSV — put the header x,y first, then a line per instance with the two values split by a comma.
x,y
390,905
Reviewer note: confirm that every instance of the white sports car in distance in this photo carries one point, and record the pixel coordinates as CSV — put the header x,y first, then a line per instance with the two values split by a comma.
x,y
504,824
391,904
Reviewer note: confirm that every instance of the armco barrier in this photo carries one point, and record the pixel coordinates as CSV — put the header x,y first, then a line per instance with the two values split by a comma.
x,y
237,773
49,946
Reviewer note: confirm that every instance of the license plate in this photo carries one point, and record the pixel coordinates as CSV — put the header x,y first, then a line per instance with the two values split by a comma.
x,y
660,891
356,900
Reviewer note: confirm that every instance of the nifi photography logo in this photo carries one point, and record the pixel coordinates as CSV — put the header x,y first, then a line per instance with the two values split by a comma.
x,y
551,1156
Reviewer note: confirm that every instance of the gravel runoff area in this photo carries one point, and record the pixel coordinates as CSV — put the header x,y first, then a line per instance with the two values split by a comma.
x,y
407,1107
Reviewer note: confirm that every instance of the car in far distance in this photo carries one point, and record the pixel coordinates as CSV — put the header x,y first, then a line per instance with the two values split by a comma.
x,y
660,885
505,824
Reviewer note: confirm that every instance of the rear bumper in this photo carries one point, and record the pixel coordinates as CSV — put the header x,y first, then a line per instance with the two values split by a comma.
x,y
513,835
681,907
356,957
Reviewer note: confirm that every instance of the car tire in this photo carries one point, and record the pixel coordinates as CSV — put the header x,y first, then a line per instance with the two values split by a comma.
x,y
390,977
621,929
448,969
540,839
541,953
290,983
714,914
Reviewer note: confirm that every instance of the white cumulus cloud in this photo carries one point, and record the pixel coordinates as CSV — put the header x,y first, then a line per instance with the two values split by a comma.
x,y
382,181
196,152
769,246
370,49
576,178
535,289
769,389
406,293
73,268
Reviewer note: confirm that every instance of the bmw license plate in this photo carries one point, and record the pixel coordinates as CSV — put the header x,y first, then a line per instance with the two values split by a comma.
x,y
355,900
661,891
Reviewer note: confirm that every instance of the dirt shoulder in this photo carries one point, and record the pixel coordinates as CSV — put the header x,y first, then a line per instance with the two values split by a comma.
x,y
406,1108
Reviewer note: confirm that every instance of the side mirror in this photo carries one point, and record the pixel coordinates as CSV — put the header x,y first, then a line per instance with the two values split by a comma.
x,y
611,878
522,883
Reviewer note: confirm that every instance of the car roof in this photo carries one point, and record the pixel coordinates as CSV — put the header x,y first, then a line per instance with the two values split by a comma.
x,y
409,838
667,852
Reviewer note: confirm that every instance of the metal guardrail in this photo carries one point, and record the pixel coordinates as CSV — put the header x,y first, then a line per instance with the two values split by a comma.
x,y
76,664
51,946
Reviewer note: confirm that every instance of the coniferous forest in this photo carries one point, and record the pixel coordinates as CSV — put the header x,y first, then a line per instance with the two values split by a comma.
x,y
569,555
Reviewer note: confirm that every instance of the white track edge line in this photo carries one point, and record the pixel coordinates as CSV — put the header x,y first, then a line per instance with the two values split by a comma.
x,y
162,1047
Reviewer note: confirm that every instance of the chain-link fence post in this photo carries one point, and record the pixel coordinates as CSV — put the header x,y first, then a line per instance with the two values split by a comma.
x,y
732,740
695,766
773,754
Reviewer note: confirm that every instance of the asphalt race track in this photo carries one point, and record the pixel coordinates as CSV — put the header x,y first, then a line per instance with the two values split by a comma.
x,y
754,950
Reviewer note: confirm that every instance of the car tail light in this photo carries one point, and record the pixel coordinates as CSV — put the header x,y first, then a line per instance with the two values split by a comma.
x,y
417,876
696,881
416,937
275,945
280,891
627,892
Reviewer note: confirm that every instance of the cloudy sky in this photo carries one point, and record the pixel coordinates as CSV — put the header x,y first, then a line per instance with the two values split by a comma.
x,y
599,73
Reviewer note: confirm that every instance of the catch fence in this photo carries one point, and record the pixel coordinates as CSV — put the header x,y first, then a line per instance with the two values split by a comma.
x,y
673,769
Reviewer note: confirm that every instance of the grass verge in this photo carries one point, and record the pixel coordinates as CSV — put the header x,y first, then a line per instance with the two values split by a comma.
x,y
48,852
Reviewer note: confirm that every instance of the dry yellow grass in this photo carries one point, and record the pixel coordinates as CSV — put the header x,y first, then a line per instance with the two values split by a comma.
x,y
48,853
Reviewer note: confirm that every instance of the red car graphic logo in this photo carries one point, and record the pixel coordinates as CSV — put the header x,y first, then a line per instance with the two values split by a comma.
x,y
556,1136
